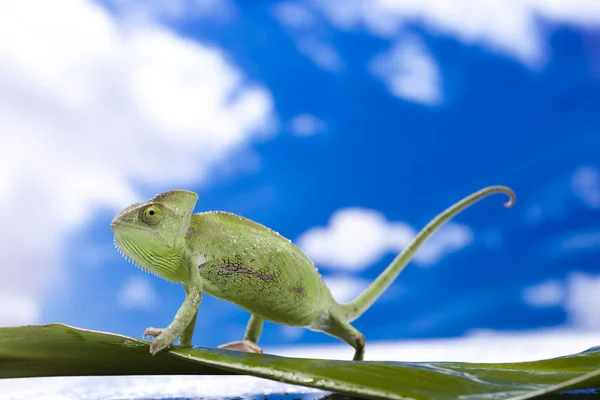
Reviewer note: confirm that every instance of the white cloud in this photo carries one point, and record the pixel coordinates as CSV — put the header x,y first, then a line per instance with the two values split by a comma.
x,y
137,293
304,28
293,15
545,294
306,125
345,288
88,110
505,27
356,238
479,346
143,10
583,303
17,309
409,71
577,294
146,387
450,238
291,332
581,240
319,52
585,183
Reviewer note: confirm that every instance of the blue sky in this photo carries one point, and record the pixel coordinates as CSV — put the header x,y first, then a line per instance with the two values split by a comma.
x,y
345,128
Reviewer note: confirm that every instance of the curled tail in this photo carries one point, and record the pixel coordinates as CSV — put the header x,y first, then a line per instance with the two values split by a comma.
x,y
357,307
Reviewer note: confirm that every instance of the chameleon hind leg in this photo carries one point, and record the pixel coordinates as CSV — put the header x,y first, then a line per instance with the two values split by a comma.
x,y
341,329
250,342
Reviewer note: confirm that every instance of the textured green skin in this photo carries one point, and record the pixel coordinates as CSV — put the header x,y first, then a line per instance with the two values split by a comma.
x,y
244,265
241,261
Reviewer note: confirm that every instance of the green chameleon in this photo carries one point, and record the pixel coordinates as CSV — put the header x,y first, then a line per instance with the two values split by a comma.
x,y
248,264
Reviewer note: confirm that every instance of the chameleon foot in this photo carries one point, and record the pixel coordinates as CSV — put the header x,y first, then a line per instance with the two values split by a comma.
x,y
152,332
159,342
242,345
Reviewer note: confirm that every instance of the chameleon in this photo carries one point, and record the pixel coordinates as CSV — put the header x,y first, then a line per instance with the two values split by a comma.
x,y
241,261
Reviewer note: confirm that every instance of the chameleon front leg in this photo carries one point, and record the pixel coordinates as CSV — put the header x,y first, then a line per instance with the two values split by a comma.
x,y
180,327
250,342
186,337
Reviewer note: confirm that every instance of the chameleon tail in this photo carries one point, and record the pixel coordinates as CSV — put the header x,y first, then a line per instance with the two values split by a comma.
x,y
356,308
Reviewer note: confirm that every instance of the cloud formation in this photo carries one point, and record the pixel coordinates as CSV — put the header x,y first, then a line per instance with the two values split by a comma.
x,y
306,125
322,54
294,15
345,288
582,303
585,184
174,9
545,294
504,27
577,295
356,238
87,107
409,71
137,293
307,33
147,387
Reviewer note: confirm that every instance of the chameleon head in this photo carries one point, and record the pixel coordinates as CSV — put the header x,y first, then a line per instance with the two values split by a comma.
x,y
152,234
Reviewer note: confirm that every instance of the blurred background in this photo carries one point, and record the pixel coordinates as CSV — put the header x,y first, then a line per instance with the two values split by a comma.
x,y
345,126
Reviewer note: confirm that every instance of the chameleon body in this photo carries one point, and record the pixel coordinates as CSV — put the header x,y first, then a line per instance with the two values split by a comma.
x,y
248,264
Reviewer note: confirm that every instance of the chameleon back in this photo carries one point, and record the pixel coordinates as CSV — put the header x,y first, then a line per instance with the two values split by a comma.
x,y
254,267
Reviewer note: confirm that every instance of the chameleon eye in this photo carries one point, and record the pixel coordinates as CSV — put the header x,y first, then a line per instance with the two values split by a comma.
x,y
151,215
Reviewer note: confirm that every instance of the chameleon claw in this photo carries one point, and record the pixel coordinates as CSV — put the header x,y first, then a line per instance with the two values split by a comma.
x,y
242,345
151,333
157,346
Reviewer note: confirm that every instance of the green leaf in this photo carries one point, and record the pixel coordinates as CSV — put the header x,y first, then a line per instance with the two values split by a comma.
x,y
60,350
